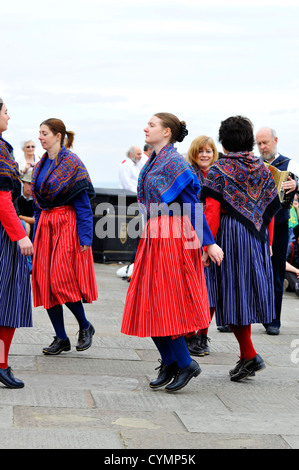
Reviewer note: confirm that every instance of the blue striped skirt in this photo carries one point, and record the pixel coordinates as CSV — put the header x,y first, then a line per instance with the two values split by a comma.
x,y
209,277
15,289
244,281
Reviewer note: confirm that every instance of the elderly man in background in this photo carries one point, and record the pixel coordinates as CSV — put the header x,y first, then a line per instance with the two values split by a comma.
x,y
266,140
147,150
130,168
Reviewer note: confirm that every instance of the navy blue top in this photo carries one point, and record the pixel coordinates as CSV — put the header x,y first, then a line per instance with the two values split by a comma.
x,y
194,210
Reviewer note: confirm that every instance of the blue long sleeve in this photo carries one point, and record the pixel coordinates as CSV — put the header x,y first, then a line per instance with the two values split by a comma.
x,y
83,210
195,212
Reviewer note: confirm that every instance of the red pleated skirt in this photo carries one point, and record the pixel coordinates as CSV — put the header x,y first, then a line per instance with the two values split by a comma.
x,y
60,272
167,295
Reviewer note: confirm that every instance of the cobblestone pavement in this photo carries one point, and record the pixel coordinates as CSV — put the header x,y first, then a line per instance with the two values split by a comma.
x,y
100,399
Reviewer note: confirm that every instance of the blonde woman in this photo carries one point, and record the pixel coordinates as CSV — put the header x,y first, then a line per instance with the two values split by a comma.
x,y
201,155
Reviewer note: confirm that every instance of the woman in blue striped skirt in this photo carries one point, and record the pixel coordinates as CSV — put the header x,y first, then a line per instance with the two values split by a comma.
x,y
15,246
241,200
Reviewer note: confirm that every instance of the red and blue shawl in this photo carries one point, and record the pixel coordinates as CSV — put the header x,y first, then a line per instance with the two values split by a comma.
x,y
66,179
9,170
163,177
245,188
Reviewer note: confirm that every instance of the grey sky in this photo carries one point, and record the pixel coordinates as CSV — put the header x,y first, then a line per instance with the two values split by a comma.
x,y
105,67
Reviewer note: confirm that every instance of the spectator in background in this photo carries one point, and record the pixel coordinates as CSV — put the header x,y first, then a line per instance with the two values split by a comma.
x,y
147,150
267,140
25,205
294,218
28,160
130,168
292,264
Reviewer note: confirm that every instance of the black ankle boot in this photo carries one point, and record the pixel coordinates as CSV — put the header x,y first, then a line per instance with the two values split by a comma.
x,y
8,379
193,346
165,375
57,346
203,347
183,376
85,338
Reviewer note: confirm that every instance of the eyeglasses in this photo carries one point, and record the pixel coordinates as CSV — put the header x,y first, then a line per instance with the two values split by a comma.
x,y
30,147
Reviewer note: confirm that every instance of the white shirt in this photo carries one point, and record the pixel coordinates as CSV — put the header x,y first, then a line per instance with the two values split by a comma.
x,y
129,173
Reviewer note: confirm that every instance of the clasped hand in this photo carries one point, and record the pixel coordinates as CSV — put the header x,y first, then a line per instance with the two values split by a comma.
x,y
214,253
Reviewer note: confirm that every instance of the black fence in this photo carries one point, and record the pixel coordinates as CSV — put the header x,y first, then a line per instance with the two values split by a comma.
x,y
117,225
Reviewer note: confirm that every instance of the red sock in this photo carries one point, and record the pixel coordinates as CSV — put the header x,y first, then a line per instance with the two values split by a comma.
x,y
6,336
205,330
243,336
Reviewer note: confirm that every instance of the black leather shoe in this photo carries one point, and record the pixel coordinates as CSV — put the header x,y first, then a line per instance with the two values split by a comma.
x,y
247,367
183,376
224,329
85,338
8,379
237,368
272,330
57,346
165,375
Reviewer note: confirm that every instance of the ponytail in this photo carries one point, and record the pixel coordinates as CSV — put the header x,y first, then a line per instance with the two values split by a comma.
x,y
69,139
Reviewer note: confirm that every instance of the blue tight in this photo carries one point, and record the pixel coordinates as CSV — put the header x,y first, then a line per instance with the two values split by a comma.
x,y
56,316
173,350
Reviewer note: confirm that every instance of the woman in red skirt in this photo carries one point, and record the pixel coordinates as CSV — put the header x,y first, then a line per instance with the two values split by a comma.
x,y
63,267
167,297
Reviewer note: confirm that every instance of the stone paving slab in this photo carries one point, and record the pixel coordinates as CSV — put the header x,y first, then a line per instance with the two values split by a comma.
x,y
100,398
60,439
240,423
157,400
44,397
148,439
6,417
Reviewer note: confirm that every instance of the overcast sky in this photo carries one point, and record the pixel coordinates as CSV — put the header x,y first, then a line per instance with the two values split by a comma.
x,y
105,67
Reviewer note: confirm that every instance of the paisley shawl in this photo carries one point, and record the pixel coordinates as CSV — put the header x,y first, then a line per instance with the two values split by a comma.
x,y
9,170
64,180
163,177
246,190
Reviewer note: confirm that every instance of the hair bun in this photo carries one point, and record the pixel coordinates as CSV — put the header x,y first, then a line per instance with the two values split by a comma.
x,y
183,133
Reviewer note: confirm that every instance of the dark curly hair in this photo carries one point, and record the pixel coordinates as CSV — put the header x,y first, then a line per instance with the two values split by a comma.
x,y
236,134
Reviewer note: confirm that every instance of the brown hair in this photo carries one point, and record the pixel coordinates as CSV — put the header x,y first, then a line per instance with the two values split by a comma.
x,y
57,126
177,127
198,144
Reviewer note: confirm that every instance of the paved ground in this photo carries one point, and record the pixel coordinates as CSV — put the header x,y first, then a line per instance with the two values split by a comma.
x,y
100,398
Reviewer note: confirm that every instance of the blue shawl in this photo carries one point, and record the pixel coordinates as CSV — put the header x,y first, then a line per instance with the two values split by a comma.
x,y
163,177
